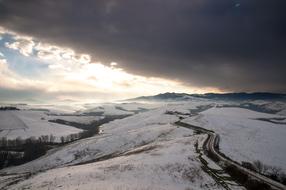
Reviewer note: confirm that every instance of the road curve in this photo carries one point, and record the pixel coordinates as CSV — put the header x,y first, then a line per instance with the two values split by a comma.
x,y
213,141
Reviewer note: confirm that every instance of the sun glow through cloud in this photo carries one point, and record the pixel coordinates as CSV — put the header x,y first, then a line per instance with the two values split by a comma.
x,y
75,76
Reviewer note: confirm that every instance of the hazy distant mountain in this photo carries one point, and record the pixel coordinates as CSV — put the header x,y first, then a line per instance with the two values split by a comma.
x,y
214,96
165,96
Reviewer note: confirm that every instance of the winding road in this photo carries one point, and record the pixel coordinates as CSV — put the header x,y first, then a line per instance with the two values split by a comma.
x,y
211,144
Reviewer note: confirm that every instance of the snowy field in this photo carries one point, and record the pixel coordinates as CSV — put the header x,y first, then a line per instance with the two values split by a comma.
x,y
117,137
243,137
10,121
127,108
147,150
169,163
144,151
75,118
27,124
33,120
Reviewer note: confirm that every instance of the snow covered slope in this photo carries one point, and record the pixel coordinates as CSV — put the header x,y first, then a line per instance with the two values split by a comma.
x,y
118,136
26,124
34,120
148,151
125,108
244,137
144,151
166,164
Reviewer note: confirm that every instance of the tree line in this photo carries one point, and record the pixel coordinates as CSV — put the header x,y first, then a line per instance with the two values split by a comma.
x,y
272,172
7,108
19,151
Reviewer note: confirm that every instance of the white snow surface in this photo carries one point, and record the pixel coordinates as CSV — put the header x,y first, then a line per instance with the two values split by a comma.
x,y
144,151
147,151
169,163
26,124
75,118
118,136
118,108
243,137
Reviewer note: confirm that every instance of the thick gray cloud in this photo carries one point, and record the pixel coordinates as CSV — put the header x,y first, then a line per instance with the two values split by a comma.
x,y
237,45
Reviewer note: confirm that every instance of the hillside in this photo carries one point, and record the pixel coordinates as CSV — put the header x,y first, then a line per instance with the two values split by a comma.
x,y
148,150
213,96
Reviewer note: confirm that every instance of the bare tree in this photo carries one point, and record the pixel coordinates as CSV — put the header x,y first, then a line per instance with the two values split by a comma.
x,y
259,166
275,173
19,141
62,139
4,142
52,138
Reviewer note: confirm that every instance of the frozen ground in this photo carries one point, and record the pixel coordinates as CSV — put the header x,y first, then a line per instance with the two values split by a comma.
x,y
147,151
118,136
118,108
277,106
33,120
169,163
75,118
144,151
26,124
10,121
243,137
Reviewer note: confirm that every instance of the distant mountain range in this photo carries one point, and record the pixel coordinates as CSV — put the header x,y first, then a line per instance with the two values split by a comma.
x,y
214,96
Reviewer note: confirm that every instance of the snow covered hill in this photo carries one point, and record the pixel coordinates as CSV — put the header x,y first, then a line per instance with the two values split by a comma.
x,y
26,124
35,120
244,136
147,150
144,151
214,96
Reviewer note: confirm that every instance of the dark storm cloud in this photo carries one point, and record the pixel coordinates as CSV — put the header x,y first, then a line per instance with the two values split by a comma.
x,y
233,45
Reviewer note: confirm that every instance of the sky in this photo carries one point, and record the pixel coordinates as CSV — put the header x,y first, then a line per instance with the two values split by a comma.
x,y
101,50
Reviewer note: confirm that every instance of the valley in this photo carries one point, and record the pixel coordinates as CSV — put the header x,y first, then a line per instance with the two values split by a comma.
x,y
153,147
